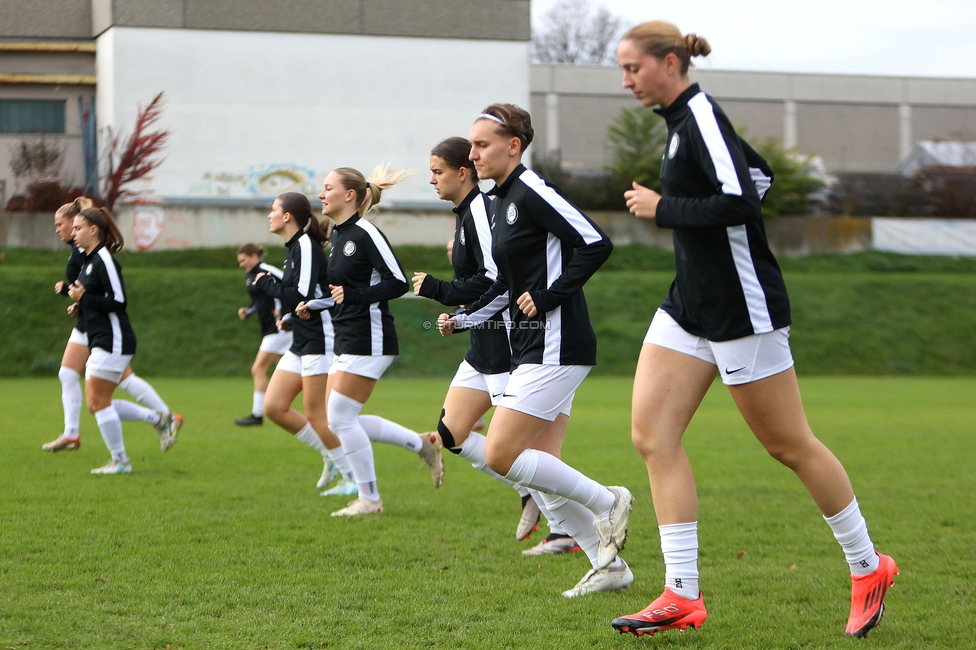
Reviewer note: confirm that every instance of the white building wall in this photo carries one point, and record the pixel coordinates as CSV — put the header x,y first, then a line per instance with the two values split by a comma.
x,y
254,114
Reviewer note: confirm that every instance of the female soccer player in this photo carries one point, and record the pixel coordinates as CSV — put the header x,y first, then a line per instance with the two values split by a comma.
x,y
364,275
99,292
304,368
545,250
156,412
483,374
727,312
274,342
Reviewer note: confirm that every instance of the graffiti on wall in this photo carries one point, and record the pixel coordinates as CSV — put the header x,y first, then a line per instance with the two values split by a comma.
x,y
259,181
147,225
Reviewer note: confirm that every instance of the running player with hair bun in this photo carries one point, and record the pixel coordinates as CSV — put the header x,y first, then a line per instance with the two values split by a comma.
x,y
483,374
545,250
727,312
156,412
101,299
274,342
364,275
304,368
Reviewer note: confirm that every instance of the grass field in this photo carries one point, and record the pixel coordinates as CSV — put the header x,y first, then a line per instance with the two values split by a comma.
x,y
224,542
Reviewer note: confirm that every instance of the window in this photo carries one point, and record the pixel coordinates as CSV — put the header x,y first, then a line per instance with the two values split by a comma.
x,y
31,116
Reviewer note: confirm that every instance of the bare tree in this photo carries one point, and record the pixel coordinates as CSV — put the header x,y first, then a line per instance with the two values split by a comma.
x,y
572,31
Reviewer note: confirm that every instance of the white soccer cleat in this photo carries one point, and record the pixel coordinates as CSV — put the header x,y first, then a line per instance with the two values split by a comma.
x,y
62,443
430,452
529,519
360,506
329,473
611,530
344,487
168,429
113,467
602,580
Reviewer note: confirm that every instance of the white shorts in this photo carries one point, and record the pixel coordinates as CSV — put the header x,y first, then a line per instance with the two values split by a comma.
x,y
467,377
739,361
362,365
78,337
307,365
276,343
105,365
543,391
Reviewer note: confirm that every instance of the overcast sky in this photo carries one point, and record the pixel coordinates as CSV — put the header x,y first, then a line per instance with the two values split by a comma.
x,y
887,37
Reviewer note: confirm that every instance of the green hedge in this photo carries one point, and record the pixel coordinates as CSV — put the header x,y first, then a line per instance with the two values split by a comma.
x,y
865,314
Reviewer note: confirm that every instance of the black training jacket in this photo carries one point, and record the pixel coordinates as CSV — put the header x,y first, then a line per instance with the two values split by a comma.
x,y
727,284
544,245
474,272
104,302
363,263
261,303
71,272
304,277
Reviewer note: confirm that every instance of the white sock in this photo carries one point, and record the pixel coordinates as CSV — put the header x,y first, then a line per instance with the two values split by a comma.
x,y
71,399
391,433
679,544
257,407
338,457
311,438
143,392
344,422
364,470
546,473
574,520
132,412
554,526
473,451
851,531
110,427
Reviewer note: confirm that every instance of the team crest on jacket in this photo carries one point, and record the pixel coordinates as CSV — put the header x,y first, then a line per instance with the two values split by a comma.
x,y
349,249
88,269
673,147
512,215
461,237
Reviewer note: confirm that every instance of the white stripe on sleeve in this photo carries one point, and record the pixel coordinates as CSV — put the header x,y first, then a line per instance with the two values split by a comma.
x,y
761,181
704,114
565,209
273,270
497,304
385,251
305,273
113,274
480,215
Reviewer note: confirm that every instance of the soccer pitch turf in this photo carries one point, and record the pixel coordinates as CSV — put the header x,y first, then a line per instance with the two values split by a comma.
x,y
224,542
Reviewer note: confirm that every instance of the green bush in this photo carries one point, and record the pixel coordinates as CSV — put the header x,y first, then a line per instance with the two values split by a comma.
x,y
870,313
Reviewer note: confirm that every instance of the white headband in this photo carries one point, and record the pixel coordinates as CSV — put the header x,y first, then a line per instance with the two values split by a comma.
x,y
486,116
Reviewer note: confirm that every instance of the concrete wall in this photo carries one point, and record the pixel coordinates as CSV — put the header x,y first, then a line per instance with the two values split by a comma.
x,y
256,114
855,123
175,227
478,19
64,19
84,19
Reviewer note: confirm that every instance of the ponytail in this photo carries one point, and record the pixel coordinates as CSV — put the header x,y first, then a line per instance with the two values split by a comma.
x,y
108,232
297,205
369,192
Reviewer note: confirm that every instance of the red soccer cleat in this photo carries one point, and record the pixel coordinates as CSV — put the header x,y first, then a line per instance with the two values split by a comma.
x,y
867,597
670,611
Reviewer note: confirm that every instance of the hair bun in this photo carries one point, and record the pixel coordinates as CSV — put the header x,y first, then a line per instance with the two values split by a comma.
x,y
697,46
